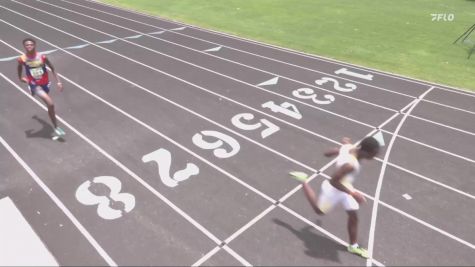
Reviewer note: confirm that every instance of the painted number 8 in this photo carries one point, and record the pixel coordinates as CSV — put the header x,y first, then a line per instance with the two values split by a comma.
x,y
104,210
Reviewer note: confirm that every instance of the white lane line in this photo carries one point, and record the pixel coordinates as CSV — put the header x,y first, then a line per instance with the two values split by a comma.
x,y
320,58
320,229
211,92
206,257
247,66
148,126
295,126
449,106
414,218
56,200
155,69
407,196
432,181
124,168
237,102
434,148
444,125
183,61
374,213
241,64
288,50
19,237
270,208
236,256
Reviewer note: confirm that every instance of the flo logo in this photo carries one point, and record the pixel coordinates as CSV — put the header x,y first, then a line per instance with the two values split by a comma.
x,y
443,17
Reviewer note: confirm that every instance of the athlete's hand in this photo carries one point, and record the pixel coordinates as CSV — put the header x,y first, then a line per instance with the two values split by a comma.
x,y
60,86
24,80
358,197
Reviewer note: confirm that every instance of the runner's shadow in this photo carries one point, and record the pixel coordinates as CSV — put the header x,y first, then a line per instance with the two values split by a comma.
x,y
317,246
45,132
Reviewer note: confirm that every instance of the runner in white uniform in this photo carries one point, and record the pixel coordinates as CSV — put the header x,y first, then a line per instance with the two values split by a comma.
x,y
339,189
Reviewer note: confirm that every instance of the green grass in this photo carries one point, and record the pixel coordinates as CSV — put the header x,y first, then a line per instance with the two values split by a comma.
x,y
391,35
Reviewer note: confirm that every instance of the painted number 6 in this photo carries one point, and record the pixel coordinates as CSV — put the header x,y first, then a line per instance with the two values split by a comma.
x,y
218,144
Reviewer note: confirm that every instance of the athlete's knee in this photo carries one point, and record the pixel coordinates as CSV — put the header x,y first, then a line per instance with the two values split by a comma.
x,y
318,210
353,216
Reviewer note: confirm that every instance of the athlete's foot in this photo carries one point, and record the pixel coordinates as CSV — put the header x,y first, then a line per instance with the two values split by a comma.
x,y
358,251
299,176
59,132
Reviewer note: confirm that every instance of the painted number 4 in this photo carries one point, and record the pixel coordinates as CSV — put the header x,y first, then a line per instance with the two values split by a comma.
x,y
284,108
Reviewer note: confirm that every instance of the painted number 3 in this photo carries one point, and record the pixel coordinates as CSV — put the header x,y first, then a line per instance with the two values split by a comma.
x,y
104,209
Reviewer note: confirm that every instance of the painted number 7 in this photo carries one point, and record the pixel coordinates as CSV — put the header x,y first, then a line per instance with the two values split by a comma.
x,y
237,121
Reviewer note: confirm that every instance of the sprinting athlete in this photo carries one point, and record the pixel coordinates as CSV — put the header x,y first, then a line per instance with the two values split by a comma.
x,y
339,189
37,78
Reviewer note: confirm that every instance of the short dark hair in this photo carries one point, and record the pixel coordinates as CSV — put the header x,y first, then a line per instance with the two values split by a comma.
x,y
29,40
370,145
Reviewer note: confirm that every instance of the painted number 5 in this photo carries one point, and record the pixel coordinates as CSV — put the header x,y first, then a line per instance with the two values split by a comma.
x,y
218,144
104,210
237,121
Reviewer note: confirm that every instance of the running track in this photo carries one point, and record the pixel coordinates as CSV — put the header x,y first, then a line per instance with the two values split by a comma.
x,y
225,119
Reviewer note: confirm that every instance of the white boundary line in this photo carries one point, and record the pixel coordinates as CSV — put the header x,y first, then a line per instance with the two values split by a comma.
x,y
291,51
126,170
195,86
138,86
60,204
250,67
155,69
379,185
71,53
246,52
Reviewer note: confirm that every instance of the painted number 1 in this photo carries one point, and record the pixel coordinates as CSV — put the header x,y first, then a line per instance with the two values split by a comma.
x,y
345,71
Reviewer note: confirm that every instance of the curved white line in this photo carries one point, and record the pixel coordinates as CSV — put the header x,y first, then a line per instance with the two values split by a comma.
x,y
374,213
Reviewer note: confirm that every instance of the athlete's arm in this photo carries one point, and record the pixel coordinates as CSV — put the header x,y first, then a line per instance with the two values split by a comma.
x,y
50,65
336,150
20,71
336,182
332,152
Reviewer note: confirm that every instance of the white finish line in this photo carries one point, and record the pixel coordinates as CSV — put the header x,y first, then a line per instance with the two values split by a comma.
x,y
19,244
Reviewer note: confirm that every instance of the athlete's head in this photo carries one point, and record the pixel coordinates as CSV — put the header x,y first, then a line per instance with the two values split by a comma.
x,y
29,44
368,148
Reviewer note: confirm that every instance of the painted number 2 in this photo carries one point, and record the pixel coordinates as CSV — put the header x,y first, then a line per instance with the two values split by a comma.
x,y
163,159
349,87
217,145
104,209
270,127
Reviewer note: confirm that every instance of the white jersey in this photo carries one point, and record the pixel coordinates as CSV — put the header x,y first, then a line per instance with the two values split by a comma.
x,y
344,157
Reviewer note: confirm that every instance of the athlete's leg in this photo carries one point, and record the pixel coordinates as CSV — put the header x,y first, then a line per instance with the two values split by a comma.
x,y
311,197
49,103
353,226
